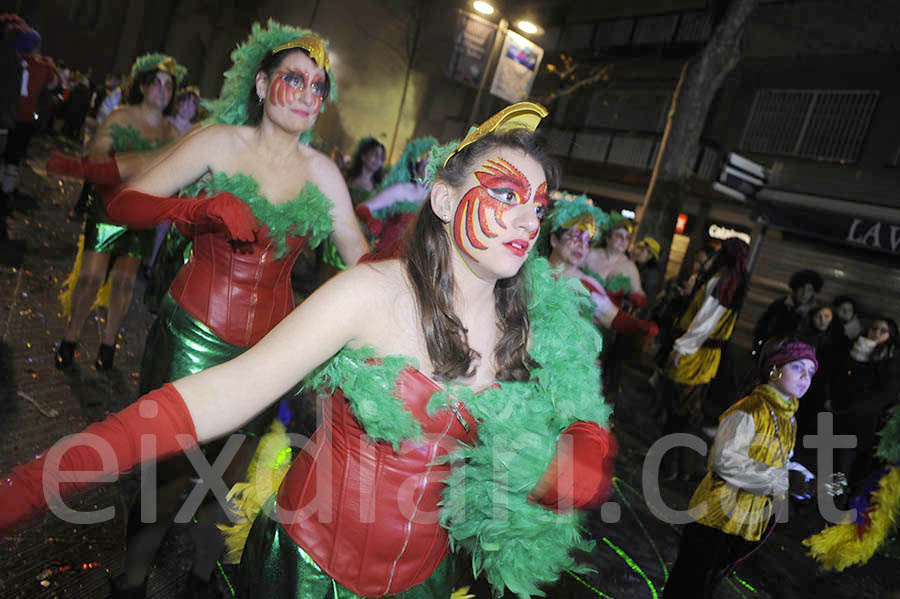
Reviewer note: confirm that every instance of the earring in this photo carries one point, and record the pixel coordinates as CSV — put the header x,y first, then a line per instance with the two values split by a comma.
x,y
772,373
259,97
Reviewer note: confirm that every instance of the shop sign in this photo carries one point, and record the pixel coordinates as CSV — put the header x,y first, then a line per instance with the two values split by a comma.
x,y
863,232
874,234
724,232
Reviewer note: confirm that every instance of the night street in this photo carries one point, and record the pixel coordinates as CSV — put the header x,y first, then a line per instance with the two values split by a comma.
x,y
39,404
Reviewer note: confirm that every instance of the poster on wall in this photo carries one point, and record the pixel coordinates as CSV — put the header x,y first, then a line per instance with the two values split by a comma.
x,y
472,48
517,68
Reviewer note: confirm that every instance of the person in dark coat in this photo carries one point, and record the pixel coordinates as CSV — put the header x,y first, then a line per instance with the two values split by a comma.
x,y
864,386
820,330
785,315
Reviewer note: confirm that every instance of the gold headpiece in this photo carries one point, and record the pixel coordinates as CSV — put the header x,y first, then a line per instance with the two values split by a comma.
x,y
190,89
168,66
525,115
584,222
312,44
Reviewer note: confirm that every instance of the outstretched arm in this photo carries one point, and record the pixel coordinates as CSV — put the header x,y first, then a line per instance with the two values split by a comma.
x,y
224,397
195,409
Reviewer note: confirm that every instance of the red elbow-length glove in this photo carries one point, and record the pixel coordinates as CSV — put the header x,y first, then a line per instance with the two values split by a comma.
x,y
627,324
101,172
156,426
372,225
580,474
637,300
140,210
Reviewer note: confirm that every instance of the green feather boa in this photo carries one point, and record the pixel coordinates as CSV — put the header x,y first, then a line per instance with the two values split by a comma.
x,y
617,282
400,172
126,138
307,214
517,545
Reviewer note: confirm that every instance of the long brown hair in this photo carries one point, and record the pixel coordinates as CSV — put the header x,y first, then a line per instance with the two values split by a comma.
x,y
428,259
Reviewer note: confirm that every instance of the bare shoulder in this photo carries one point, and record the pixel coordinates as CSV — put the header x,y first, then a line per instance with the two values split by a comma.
x,y
121,115
218,139
369,288
322,169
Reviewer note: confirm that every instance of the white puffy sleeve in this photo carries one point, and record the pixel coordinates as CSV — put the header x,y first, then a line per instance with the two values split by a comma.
x,y
703,324
731,458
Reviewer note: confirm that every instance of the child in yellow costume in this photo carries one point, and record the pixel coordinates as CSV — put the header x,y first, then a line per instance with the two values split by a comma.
x,y
747,477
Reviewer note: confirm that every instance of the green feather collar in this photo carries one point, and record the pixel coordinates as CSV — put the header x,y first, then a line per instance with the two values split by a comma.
x,y
517,545
126,138
307,214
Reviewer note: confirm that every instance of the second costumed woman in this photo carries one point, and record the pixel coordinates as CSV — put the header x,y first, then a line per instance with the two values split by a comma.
x,y
139,126
262,194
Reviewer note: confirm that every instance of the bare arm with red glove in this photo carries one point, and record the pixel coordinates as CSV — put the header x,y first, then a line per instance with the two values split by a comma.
x,y
580,474
155,427
102,171
139,210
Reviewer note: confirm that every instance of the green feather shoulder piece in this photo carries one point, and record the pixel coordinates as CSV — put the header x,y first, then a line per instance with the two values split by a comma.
x,y
516,544
307,214
126,138
373,400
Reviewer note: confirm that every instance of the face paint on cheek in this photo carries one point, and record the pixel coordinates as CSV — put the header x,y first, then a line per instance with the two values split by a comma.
x,y
282,93
465,219
540,199
496,178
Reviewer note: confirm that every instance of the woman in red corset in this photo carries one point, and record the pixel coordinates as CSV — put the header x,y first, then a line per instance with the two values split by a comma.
x,y
251,198
466,414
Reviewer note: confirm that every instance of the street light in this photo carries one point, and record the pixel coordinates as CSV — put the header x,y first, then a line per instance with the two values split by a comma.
x,y
527,27
502,28
483,7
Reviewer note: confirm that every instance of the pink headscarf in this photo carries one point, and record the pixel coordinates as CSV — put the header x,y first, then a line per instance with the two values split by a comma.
x,y
791,352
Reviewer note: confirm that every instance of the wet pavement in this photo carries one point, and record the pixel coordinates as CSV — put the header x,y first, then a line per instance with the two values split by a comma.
x,y
39,404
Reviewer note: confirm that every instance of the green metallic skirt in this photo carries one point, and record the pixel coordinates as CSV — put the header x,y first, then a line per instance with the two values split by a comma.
x,y
179,345
274,567
102,236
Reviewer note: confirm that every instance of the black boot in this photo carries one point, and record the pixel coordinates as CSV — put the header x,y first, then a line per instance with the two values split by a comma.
x,y
65,354
105,357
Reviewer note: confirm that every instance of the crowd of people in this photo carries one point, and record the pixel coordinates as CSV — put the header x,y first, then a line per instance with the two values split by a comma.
x,y
494,308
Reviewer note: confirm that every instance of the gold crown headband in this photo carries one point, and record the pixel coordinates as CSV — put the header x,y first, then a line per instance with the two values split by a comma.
x,y
521,115
312,44
583,222
168,66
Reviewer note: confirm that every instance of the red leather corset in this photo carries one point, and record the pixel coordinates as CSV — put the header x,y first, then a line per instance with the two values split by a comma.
x,y
239,296
367,515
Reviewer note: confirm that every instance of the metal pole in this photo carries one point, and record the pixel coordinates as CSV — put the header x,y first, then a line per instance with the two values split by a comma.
x,y
498,43
754,249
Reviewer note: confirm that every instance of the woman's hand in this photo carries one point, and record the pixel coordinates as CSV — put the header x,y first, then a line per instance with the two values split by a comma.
x,y
580,474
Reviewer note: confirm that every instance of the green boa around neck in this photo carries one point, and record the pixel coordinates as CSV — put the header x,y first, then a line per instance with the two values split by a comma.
x,y
126,138
617,282
307,214
516,544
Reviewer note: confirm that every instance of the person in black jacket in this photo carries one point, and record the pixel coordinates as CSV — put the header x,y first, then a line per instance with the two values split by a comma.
x,y
864,386
784,316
